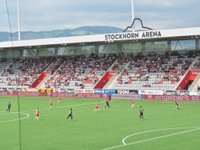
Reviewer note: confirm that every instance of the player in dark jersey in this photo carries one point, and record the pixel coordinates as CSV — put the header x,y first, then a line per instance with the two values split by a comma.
x,y
108,99
9,107
107,104
141,112
70,115
177,105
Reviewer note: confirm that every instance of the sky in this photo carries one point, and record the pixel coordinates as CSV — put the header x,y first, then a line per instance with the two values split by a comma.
x,y
44,15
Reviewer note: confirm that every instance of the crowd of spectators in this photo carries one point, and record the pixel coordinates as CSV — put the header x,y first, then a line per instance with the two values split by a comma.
x,y
197,64
23,72
79,71
156,68
82,71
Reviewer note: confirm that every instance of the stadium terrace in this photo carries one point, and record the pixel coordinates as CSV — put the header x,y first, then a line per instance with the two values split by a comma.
x,y
154,62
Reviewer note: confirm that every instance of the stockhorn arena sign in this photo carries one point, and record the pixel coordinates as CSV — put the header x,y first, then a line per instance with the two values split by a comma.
x,y
133,35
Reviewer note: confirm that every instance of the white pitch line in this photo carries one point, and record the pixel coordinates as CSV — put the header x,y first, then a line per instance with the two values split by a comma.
x,y
60,107
156,130
27,116
151,139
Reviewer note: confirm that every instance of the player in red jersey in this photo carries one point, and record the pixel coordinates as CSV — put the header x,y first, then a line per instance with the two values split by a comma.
x,y
37,114
51,93
50,102
133,102
96,106
59,97
58,91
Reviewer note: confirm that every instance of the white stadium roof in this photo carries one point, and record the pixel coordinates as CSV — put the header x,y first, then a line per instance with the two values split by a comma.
x,y
150,34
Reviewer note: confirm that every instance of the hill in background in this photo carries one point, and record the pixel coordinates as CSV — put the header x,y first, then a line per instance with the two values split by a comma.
x,y
85,30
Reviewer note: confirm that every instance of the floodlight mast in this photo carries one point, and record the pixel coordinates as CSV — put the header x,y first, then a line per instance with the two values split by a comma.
x,y
132,14
18,20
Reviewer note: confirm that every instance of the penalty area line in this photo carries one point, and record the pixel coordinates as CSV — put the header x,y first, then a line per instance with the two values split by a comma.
x,y
151,139
156,130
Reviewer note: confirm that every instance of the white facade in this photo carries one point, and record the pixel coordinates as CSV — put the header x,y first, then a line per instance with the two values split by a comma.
x,y
151,34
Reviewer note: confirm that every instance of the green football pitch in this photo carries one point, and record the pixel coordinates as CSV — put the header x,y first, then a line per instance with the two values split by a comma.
x,y
115,128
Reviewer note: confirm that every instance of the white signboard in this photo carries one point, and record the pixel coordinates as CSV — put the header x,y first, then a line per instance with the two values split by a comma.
x,y
150,92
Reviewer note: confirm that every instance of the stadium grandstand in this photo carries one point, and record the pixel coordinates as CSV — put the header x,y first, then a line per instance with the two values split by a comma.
x,y
151,61
136,89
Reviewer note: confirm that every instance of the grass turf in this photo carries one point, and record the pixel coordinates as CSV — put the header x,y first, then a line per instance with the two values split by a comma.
x,y
162,128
